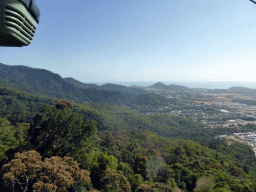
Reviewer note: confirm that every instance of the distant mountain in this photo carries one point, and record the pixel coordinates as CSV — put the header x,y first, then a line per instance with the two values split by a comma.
x,y
160,85
32,80
177,87
122,88
137,87
43,82
238,90
108,86
80,84
243,90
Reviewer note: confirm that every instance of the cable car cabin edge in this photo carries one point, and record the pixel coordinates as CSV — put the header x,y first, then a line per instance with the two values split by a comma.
x,y
18,22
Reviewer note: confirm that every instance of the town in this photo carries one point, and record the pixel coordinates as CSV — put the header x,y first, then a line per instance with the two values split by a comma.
x,y
214,108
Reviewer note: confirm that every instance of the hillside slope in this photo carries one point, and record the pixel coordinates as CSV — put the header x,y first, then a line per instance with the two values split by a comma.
x,y
43,82
172,87
108,86
128,136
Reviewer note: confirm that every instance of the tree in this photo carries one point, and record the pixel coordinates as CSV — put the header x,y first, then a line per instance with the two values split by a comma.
x,y
191,181
63,133
236,171
144,188
221,180
61,104
101,162
59,173
160,187
139,165
113,181
204,185
154,165
135,180
55,174
22,169
11,136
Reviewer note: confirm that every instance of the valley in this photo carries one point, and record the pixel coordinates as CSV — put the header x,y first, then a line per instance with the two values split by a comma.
x,y
210,107
213,108
193,133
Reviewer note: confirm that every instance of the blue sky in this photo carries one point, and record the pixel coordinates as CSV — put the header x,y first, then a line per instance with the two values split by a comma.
x,y
143,40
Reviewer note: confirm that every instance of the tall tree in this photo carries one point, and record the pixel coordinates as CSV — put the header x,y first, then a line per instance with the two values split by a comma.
x,y
113,181
60,132
55,174
101,162
11,136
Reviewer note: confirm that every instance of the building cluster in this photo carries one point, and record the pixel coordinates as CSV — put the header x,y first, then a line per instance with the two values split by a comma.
x,y
236,122
248,137
215,110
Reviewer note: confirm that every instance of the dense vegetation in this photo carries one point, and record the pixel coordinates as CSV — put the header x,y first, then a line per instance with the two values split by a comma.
x,y
108,86
46,83
160,85
46,144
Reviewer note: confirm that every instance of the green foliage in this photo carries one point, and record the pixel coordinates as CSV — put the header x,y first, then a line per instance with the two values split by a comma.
x,y
139,165
221,179
154,166
61,132
11,136
100,163
20,107
113,181
204,185
191,181
221,190
125,168
144,188
135,180
54,174
43,82
181,164
128,142
159,187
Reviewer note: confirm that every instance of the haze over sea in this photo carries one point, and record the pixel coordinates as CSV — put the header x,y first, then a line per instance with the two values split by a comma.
x,y
206,85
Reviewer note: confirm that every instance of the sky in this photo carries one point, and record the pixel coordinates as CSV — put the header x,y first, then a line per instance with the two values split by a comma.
x,y
143,41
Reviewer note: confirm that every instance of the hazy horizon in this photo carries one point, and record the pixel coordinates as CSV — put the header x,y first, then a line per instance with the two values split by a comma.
x,y
202,84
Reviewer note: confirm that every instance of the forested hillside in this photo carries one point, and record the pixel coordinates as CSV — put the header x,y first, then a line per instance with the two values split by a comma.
x,y
110,148
108,86
160,85
43,82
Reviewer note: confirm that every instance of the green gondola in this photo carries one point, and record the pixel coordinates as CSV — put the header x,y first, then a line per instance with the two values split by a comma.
x,y
18,22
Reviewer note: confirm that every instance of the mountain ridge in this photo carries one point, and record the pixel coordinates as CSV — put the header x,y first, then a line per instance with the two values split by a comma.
x,y
107,86
160,85
44,82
